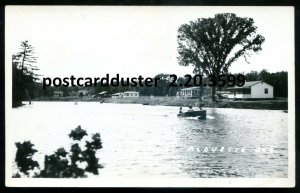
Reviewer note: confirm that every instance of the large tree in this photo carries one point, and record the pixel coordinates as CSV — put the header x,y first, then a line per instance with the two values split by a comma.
x,y
24,76
26,58
211,45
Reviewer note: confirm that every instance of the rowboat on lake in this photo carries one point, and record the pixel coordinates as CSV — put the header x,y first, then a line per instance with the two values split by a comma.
x,y
201,114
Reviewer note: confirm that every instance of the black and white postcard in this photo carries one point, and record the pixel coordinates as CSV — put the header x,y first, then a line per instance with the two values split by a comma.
x,y
149,96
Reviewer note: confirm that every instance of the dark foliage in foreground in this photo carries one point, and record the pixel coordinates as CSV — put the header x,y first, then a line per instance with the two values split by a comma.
x,y
62,164
24,157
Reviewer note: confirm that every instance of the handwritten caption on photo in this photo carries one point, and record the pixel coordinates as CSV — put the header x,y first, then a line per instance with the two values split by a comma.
x,y
268,149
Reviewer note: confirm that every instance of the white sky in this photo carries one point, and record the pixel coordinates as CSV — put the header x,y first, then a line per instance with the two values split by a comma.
x,y
92,41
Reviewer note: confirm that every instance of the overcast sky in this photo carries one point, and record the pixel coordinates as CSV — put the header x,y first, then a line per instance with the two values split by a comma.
x,y
92,41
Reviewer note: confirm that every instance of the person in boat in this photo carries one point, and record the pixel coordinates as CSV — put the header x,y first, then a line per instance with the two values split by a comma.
x,y
191,107
180,110
200,105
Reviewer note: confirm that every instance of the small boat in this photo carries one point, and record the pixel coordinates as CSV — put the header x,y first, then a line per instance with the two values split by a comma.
x,y
201,114
145,103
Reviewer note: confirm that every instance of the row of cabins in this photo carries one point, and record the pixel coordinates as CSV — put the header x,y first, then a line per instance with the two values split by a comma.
x,y
126,94
250,90
73,93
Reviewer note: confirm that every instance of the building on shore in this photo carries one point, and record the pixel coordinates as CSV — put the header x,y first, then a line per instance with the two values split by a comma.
x,y
193,92
58,94
251,90
117,95
130,94
127,94
103,94
83,92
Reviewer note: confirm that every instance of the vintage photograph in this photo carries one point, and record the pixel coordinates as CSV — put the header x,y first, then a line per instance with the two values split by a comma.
x,y
144,96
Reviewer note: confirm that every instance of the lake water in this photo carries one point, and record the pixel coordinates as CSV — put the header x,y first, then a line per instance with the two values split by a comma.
x,y
151,141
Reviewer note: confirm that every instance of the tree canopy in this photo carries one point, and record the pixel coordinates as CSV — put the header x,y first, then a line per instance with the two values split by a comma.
x,y
25,59
211,45
24,76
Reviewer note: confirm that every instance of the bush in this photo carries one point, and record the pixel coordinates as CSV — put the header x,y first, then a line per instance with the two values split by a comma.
x,y
61,164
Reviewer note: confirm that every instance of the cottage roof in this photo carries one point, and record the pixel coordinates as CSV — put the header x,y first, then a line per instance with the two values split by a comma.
x,y
192,88
103,92
130,92
246,85
118,93
251,83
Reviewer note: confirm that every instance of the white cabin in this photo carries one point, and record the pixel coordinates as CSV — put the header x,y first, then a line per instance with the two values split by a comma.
x,y
251,90
127,94
193,92
58,94
117,95
130,94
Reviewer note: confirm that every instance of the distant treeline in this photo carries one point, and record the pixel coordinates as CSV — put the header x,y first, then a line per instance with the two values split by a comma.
x,y
278,80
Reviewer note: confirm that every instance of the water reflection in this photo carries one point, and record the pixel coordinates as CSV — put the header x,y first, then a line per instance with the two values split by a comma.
x,y
151,141
233,130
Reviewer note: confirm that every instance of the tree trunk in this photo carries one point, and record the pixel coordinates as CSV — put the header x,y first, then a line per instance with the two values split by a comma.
x,y
201,92
213,92
28,96
23,60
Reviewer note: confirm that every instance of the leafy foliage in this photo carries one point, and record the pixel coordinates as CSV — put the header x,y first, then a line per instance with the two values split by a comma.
x,y
62,164
211,45
77,134
24,157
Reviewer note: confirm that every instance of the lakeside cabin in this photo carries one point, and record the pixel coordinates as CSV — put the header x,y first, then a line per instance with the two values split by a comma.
x,y
130,94
117,95
251,90
102,94
58,94
192,92
127,94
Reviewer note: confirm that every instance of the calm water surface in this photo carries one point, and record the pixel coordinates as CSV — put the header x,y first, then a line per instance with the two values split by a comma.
x,y
151,141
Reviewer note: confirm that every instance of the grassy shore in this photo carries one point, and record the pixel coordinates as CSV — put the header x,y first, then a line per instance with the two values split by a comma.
x,y
165,101
173,101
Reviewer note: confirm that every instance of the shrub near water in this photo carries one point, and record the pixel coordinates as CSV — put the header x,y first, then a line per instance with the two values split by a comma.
x,y
62,164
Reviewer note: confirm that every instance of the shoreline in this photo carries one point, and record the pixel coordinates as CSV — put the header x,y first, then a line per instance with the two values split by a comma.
x,y
173,101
